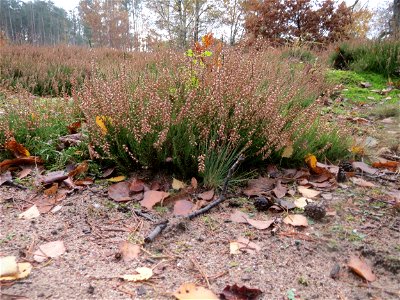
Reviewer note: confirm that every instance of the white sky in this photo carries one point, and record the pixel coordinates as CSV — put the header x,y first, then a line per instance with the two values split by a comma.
x,y
70,4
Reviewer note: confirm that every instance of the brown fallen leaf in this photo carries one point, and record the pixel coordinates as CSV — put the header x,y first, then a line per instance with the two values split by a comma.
x,y
239,293
84,182
193,183
44,204
136,186
177,184
279,190
259,186
361,268
129,251
31,160
248,246
119,192
183,207
189,291
5,177
49,250
74,127
51,190
107,172
151,198
208,195
144,273
361,182
11,270
82,168
55,176
296,220
239,217
308,193
260,224
17,149
364,167
25,172
389,165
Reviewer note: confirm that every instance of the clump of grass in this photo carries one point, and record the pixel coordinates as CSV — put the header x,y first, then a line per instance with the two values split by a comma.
x,y
381,57
386,111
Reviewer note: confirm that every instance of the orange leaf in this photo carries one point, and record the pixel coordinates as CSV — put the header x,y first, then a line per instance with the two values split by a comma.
x,y
183,207
390,165
311,161
151,198
361,268
80,169
73,128
31,160
207,40
17,149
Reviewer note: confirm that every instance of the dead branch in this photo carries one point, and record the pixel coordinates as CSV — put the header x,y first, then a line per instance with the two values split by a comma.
x,y
160,227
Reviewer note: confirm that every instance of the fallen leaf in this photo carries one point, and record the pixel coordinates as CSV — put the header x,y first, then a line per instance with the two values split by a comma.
x,y
208,195
117,179
239,217
119,192
31,160
279,190
143,274
54,177
390,165
234,248
17,149
84,182
5,177
240,293
82,168
296,220
183,207
308,193
23,270
361,268
30,213
8,266
52,190
259,186
136,186
189,291
302,202
129,251
108,172
286,204
260,224
248,246
311,161
44,204
177,184
361,182
49,250
288,151
364,167
193,183
151,198
25,172
101,122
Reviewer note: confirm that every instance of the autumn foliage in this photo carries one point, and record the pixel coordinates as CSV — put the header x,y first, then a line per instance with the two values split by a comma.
x,y
304,21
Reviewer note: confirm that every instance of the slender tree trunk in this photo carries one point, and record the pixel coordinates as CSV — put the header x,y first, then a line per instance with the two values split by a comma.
x,y
196,20
396,18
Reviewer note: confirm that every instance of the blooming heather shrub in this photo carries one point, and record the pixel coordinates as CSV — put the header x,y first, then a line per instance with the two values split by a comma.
x,y
170,107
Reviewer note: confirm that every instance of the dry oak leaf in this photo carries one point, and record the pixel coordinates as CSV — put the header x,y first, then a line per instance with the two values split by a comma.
x,y
390,165
361,268
144,273
193,183
30,213
245,245
73,128
260,224
177,184
364,167
189,291
208,195
11,270
17,149
31,160
49,250
25,172
302,202
259,186
183,207
239,217
279,190
361,182
129,251
308,193
296,220
136,186
119,192
82,168
151,198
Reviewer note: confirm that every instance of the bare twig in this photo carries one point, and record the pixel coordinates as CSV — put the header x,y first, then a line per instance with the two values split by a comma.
x,y
160,227
197,265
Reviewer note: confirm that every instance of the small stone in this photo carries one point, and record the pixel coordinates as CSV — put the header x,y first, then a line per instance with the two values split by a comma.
x,y
141,291
246,277
90,290
263,203
334,274
315,211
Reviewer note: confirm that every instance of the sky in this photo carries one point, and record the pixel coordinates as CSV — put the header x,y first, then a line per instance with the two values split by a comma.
x,y
70,4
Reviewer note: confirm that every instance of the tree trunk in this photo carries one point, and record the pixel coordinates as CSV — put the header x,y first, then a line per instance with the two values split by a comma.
x,y
196,21
396,19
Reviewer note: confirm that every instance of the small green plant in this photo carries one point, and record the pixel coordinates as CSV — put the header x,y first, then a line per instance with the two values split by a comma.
x,y
386,111
303,281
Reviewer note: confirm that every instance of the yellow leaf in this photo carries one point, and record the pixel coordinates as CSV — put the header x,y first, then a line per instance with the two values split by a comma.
x,y
10,270
177,184
311,161
100,121
189,291
143,274
357,150
288,151
117,179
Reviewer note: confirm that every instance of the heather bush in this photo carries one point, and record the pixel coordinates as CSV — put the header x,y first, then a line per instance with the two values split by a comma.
x,y
181,112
